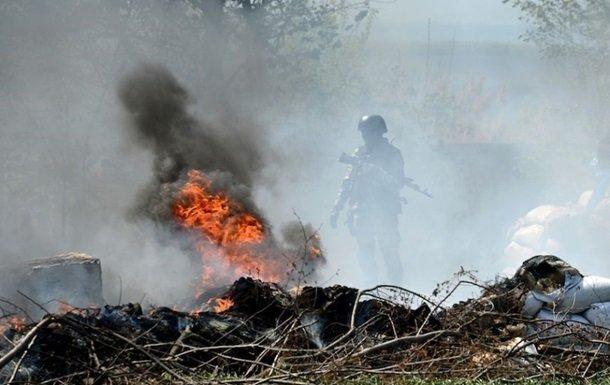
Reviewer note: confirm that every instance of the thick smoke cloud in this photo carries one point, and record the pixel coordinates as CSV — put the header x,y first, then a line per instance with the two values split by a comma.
x,y
159,120
490,128
230,156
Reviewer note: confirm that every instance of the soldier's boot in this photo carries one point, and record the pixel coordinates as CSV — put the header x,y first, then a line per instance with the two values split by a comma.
x,y
366,260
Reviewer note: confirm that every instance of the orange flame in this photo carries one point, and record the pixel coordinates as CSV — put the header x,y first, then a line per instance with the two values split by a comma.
x,y
314,252
229,239
16,323
223,304
64,308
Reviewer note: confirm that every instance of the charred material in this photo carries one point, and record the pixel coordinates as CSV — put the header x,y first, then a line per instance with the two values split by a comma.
x,y
265,303
270,334
327,310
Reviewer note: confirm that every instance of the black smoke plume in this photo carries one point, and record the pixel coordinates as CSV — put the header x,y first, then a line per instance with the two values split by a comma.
x,y
231,153
159,119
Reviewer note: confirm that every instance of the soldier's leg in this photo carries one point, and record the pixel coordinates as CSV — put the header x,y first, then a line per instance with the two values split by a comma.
x,y
389,245
365,237
366,260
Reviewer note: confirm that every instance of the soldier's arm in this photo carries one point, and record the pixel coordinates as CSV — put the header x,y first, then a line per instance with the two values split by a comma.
x,y
344,194
348,183
345,190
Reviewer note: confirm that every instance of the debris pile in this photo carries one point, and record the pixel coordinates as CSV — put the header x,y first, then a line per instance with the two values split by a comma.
x,y
312,334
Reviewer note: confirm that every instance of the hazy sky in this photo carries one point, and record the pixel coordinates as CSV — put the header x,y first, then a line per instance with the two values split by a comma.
x,y
466,20
447,11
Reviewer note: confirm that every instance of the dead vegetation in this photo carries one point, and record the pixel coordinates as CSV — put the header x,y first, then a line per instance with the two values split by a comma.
x,y
313,335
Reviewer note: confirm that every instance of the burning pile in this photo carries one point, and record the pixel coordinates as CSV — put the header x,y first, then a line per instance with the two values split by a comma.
x,y
233,242
225,234
313,335
263,321
202,185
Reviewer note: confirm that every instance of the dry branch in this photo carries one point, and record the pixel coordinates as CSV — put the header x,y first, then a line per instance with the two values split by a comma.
x,y
23,343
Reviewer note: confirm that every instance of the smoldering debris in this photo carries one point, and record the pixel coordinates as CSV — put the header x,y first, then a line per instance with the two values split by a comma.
x,y
314,334
260,315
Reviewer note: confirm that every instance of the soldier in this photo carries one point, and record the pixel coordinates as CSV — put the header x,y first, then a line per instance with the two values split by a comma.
x,y
372,190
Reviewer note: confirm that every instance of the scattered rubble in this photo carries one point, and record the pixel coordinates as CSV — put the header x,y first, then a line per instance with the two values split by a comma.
x,y
542,323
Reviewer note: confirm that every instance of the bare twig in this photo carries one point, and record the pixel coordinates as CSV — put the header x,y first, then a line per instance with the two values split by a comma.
x,y
24,342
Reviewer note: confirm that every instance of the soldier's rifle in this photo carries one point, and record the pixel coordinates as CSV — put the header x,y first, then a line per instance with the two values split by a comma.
x,y
409,182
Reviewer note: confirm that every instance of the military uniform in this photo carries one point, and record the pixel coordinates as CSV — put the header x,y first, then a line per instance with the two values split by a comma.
x,y
371,190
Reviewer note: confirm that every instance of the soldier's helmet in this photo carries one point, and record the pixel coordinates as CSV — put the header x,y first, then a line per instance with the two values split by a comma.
x,y
372,123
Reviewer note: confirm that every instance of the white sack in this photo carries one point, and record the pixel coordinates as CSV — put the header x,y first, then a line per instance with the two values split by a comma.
x,y
577,295
531,306
599,314
550,327
547,315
